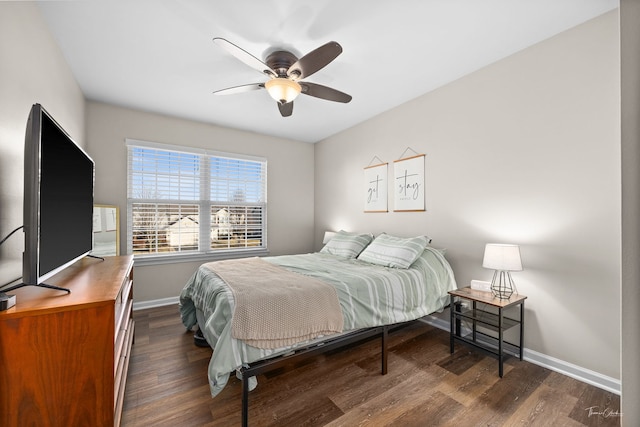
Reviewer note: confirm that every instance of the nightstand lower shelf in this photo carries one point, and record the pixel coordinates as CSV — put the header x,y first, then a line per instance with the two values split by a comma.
x,y
488,344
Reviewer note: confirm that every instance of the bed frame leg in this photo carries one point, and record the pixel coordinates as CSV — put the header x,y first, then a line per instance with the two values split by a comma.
x,y
245,400
385,330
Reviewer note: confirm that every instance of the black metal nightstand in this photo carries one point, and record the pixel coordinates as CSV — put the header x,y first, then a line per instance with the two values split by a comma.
x,y
485,320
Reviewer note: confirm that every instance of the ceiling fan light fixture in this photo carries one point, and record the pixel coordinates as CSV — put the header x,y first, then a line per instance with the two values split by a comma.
x,y
282,89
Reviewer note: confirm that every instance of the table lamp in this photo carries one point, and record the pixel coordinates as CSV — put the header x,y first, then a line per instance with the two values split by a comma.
x,y
503,259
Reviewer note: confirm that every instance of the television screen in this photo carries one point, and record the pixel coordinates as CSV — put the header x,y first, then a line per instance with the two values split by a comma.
x,y
58,199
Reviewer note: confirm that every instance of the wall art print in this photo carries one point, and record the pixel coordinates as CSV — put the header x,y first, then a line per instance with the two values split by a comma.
x,y
375,186
408,184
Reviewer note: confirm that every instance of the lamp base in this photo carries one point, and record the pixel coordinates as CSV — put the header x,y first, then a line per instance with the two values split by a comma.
x,y
502,285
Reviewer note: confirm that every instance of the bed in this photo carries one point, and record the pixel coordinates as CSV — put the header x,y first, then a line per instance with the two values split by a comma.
x,y
378,282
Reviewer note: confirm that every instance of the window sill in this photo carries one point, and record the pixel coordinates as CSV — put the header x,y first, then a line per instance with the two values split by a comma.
x,y
143,260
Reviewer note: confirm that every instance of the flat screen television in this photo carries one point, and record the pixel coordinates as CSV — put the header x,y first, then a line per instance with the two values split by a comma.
x,y
58,200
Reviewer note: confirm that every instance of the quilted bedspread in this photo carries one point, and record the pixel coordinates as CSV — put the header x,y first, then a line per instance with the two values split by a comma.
x,y
275,307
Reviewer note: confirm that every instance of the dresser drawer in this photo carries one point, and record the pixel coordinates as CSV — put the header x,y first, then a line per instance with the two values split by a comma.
x,y
122,367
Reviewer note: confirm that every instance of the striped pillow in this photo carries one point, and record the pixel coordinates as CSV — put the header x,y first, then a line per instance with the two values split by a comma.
x,y
347,245
396,252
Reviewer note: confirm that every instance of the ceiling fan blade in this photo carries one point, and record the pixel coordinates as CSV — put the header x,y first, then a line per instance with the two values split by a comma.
x,y
324,92
286,109
314,60
239,89
244,56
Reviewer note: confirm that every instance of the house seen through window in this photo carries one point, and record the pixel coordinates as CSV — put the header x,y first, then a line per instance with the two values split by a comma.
x,y
185,201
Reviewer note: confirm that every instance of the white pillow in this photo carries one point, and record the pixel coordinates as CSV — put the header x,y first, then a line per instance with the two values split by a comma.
x,y
396,252
347,245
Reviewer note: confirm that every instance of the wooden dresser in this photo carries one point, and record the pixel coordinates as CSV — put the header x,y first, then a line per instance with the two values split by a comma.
x,y
64,357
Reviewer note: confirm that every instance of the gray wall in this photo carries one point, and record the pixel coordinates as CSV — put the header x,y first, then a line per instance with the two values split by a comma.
x,y
289,177
32,70
524,151
630,71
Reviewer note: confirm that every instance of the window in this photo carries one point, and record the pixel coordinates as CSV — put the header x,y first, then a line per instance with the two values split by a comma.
x,y
184,202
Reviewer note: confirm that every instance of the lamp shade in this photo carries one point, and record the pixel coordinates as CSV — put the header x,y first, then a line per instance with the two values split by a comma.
x,y
283,90
502,257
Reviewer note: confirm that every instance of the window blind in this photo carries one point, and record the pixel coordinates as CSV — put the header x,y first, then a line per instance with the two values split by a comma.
x,y
182,201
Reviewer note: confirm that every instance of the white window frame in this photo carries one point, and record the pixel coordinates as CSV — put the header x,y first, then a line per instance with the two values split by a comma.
x,y
204,252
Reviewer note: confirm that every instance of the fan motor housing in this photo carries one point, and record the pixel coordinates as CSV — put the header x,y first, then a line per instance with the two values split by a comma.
x,y
280,61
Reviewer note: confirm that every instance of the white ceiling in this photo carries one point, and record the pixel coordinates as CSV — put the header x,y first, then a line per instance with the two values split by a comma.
x,y
158,55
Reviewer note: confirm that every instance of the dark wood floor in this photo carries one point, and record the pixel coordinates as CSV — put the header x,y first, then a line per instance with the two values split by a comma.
x,y
425,386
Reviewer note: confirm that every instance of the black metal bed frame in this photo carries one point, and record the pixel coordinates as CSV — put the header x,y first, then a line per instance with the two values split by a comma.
x,y
269,365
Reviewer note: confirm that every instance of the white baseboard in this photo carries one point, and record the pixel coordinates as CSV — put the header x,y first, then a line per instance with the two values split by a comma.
x,y
577,372
437,322
155,303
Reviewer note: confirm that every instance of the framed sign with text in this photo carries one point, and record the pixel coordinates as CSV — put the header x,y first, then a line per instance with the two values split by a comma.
x,y
408,184
375,186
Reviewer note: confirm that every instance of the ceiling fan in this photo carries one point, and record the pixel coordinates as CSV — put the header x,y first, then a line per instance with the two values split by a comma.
x,y
285,72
